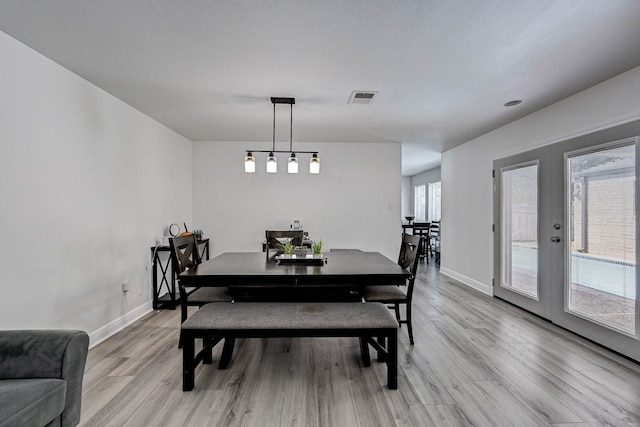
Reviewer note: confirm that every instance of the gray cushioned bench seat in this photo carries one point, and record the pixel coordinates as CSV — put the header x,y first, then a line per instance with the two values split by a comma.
x,y
217,321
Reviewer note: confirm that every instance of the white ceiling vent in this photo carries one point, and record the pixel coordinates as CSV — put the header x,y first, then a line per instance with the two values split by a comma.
x,y
362,97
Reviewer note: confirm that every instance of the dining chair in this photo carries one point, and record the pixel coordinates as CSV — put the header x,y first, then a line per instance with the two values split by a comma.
x,y
434,238
422,229
184,256
394,296
273,239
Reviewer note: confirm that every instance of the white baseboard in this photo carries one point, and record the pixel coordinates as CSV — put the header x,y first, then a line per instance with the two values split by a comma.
x,y
472,283
119,324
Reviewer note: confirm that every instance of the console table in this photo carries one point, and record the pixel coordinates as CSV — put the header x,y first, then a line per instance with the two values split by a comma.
x,y
167,284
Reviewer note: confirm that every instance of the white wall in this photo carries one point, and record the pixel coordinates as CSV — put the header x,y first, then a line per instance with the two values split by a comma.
x,y
467,185
353,203
406,197
87,185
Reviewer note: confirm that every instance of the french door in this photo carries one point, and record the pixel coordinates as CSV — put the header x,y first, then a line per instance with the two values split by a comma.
x,y
566,235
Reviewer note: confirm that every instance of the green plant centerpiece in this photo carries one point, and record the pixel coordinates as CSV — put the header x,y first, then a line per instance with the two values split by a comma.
x,y
288,247
316,247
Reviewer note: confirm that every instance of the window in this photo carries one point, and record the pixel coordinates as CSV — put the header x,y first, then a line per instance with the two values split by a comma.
x,y
420,202
434,201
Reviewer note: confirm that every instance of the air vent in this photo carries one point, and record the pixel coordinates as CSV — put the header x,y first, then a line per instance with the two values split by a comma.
x,y
362,97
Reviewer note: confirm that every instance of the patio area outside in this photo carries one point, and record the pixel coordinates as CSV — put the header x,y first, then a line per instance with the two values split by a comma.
x,y
601,289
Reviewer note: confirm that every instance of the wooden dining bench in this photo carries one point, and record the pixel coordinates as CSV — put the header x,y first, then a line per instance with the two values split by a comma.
x,y
223,321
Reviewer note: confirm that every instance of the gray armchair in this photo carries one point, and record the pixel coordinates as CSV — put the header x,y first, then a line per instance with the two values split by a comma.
x,y
41,374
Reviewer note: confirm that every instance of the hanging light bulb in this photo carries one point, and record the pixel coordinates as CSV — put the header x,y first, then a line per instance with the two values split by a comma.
x,y
272,163
249,163
292,165
314,164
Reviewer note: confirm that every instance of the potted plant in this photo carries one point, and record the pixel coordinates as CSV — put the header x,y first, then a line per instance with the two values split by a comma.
x,y
316,247
288,248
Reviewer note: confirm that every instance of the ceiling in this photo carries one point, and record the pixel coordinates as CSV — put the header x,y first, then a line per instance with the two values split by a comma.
x,y
443,70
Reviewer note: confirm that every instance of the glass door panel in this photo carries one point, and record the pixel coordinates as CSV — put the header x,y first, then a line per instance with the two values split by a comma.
x,y
521,214
519,229
601,281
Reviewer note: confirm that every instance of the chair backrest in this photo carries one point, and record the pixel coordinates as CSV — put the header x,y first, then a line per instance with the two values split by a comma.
x,y
421,228
272,237
184,253
434,228
410,252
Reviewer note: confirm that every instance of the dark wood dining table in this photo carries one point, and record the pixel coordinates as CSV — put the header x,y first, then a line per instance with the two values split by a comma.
x,y
250,276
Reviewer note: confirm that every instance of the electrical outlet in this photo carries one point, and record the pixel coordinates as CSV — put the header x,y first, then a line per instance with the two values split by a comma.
x,y
125,287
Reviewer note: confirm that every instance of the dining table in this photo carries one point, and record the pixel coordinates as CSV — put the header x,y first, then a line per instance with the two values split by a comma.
x,y
340,276
335,277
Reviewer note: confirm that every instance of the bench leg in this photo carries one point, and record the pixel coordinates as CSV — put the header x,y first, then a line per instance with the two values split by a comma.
x,y
392,360
188,363
364,351
227,352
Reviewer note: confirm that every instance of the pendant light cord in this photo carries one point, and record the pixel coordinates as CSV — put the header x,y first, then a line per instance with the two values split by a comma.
x,y
273,148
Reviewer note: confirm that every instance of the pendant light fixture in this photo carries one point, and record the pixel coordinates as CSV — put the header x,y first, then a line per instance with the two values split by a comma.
x,y
272,164
292,164
272,161
249,163
314,164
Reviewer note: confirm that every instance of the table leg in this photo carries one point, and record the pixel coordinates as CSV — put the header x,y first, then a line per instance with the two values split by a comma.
x,y
207,349
364,351
381,356
227,352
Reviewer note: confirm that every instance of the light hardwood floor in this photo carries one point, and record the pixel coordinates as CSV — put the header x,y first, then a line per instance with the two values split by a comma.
x,y
477,361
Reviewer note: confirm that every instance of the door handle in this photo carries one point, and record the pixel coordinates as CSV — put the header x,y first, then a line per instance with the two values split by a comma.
x,y
555,239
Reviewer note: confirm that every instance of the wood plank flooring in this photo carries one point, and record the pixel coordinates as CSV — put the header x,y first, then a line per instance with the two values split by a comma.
x,y
477,361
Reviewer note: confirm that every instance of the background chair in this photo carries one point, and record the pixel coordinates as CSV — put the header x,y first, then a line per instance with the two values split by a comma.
x,y
422,229
274,237
393,296
434,240
185,255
